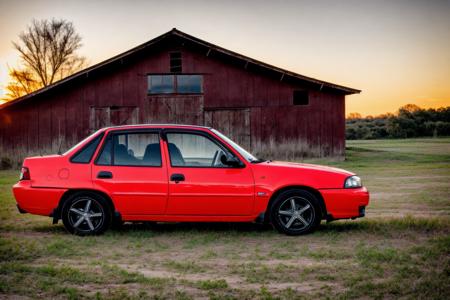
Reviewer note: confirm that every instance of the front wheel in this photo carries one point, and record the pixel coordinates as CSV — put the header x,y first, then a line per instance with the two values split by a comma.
x,y
86,214
295,212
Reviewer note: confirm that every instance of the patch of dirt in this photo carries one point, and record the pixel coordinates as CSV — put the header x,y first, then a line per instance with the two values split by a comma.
x,y
234,281
14,297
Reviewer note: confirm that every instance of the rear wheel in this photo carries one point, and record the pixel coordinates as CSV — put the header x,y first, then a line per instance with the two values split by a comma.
x,y
86,214
295,212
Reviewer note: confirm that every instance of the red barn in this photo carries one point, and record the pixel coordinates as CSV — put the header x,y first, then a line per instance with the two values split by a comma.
x,y
178,78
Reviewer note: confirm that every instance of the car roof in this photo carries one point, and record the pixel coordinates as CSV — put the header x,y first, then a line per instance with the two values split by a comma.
x,y
138,126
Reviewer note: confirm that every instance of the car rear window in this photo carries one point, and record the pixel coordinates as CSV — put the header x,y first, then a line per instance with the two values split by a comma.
x,y
84,155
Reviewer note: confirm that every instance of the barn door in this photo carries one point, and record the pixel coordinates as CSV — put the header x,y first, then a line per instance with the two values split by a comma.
x,y
112,116
185,109
233,123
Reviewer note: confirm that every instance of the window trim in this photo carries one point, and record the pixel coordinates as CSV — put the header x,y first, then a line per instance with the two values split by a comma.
x,y
175,83
207,135
100,137
111,135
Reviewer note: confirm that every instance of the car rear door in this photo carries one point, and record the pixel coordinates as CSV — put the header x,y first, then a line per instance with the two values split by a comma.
x,y
131,168
198,183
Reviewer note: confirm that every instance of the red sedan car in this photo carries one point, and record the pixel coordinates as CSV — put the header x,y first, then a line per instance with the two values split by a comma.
x,y
174,173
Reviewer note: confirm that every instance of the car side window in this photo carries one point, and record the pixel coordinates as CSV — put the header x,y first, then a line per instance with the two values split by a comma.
x,y
85,154
194,150
132,149
104,158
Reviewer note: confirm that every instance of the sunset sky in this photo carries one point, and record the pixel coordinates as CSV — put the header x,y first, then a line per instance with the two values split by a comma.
x,y
396,52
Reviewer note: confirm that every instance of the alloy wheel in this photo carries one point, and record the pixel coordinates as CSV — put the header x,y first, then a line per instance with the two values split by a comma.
x,y
86,215
296,213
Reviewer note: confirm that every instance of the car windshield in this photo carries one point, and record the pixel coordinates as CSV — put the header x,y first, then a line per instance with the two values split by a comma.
x,y
248,156
82,142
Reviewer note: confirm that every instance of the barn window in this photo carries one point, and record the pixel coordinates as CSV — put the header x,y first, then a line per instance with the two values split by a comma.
x,y
189,84
175,62
301,98
161,84
175,84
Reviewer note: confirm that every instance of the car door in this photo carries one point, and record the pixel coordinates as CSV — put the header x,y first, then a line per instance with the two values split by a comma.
x,y
199,184
131,168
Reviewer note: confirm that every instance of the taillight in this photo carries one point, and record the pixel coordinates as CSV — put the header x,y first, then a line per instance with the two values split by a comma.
x,y
24,173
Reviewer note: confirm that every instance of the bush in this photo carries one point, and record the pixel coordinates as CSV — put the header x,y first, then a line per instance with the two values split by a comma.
x,y
5,163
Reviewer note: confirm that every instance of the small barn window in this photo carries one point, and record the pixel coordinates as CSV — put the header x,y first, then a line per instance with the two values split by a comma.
x,y
175,62
301,98
189,84
161,84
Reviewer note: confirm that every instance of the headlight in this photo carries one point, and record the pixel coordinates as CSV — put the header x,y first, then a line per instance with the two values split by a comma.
x,y
352,182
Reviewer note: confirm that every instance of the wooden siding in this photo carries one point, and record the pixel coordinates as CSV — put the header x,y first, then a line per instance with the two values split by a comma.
x,y
234,123
186,109
250,106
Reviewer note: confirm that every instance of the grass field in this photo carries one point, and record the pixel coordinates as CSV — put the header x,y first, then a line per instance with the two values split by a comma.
x,y
400,250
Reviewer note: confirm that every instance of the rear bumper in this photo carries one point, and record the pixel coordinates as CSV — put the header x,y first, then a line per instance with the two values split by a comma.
x,y
38,201
345,203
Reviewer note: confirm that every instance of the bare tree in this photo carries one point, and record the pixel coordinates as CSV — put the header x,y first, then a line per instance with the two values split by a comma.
x,y
23,83
48,50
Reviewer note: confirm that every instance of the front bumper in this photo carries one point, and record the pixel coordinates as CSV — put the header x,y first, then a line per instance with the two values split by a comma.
x,y
38,201
345,203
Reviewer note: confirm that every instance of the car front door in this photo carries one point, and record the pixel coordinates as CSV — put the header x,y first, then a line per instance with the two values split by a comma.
x,y
131,169
199,183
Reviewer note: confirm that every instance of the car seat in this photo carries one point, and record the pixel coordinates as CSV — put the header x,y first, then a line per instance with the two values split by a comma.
x,y
176,158
152,155
121,156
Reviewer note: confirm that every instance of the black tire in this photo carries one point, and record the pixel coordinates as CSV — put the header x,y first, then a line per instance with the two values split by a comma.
x,y
150,224
303,219
117,223
94,221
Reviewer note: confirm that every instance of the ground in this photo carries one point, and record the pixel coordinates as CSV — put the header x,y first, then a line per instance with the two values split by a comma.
x,y
400,250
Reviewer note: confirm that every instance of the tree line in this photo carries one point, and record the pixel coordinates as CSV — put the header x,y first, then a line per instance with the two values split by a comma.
x,y
410,121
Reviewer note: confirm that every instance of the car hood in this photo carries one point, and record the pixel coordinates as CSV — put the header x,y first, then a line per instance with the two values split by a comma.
x,y
280,174
310,167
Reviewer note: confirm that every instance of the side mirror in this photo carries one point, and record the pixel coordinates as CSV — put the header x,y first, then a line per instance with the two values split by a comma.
x,y
228,160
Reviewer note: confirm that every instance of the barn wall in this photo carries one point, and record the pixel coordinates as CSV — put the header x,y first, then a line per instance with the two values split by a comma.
x,y
64,116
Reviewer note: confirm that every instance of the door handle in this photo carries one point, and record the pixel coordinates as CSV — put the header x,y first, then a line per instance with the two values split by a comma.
x,y
177,177
104,175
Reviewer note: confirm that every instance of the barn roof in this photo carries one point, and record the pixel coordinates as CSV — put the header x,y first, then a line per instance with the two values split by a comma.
x,y
189,38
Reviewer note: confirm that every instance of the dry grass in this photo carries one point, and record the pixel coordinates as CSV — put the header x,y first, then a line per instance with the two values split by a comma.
x,y
293,150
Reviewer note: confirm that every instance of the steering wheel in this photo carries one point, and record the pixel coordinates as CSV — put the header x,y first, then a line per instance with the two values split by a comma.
x,y
216,159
